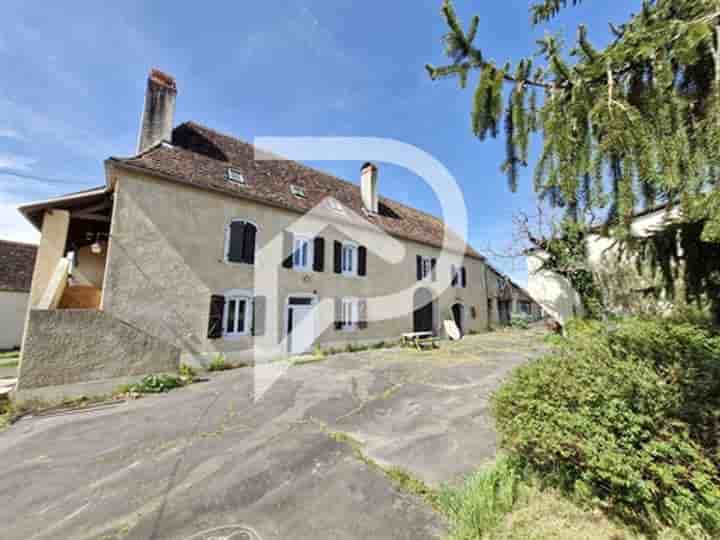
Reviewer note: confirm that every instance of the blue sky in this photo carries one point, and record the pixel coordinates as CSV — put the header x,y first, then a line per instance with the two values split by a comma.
x,y
74,74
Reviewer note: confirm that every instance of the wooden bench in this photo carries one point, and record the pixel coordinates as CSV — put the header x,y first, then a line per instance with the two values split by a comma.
x,y
420,340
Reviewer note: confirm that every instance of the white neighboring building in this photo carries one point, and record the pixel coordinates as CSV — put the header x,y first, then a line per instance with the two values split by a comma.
x,y
17,261
554,292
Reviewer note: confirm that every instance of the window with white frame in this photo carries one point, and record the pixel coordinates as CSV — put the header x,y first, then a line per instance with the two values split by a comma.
x,y
302,253
237,318
349,259
235,175
426,268
457,277
350,314
454,276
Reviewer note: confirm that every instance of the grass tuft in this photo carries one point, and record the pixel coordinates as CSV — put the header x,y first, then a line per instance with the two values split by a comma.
x,y
482,501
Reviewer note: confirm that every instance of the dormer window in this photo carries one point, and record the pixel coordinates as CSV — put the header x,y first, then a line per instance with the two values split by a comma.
x,y
335,205
297,191
235,176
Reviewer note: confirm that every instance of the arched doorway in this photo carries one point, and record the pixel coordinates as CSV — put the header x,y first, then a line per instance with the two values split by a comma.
x,y
423,311
458,313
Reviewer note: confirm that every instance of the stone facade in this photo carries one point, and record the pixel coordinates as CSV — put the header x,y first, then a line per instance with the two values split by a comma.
x,y
166,260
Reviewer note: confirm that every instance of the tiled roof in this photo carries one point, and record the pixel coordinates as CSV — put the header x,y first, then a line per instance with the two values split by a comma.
x,y
200,156
17,262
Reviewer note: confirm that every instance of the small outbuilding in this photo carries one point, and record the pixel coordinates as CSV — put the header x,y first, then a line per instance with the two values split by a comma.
x,y
17,261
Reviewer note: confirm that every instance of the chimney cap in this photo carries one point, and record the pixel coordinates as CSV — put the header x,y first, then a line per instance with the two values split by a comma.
x,y
368,164
163,79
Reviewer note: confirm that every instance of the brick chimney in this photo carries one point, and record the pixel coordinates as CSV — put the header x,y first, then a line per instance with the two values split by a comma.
x,y
159,114
368,187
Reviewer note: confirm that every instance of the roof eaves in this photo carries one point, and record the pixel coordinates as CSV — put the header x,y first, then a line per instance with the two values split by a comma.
x,y
124,163
27,209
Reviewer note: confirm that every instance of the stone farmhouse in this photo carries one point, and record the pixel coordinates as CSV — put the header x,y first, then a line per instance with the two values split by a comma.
x,y
193,248
16,267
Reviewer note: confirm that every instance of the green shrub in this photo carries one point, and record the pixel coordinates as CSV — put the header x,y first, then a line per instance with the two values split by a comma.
x,y
156,384
520,321
554,340
625,417
219,363
187,373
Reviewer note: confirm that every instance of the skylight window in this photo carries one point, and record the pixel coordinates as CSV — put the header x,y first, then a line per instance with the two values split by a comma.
x,y
297,191
235,176
335,205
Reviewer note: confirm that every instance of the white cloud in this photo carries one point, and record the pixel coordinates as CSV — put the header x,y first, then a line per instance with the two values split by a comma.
x,y
12,161
40,126
13,226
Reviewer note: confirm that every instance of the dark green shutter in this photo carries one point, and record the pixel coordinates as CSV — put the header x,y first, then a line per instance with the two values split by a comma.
x,y
362,314
338,257
362,261
258,328
418,265
463,280
248,247
217,307
287,249
338,314
319,254
236,242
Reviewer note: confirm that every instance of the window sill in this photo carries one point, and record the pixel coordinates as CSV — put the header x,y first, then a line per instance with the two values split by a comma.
x,y
236,337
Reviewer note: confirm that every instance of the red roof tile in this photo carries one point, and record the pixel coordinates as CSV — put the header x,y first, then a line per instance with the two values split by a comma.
x,y
200,157
17,261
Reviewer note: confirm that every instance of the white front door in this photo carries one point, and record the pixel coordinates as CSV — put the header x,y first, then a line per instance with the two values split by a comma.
x,y
302,328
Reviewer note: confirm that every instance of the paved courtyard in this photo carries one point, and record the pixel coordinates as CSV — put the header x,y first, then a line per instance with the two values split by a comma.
x,y
306,461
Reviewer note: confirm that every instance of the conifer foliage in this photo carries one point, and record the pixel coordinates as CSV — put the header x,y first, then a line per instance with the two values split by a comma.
x,y
643,112
625,127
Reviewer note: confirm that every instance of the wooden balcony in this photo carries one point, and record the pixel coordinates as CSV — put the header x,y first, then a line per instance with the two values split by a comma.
x,y
80,297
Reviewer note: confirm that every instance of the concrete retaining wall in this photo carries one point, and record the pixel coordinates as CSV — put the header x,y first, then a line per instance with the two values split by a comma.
x,y
66,347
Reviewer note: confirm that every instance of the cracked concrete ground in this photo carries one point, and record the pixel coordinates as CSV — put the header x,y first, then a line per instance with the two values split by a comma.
x,y
207,456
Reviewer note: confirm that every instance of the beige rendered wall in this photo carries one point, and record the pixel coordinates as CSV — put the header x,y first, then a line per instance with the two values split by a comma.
x,y
552,291
68,346
50,250
492,291
13,308
89,268
166,259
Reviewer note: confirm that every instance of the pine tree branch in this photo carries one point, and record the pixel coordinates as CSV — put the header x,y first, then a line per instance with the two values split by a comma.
x,y
452,69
